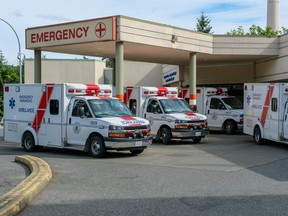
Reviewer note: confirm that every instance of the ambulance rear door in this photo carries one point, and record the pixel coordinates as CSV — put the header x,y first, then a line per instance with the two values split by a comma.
x,y
272,123
50,130
283,110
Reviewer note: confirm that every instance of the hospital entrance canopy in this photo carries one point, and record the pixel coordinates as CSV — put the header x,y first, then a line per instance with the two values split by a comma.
x,y
147,41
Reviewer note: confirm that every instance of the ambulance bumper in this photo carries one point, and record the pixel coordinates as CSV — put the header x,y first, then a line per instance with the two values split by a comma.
x,y
240,126
189,134
127,144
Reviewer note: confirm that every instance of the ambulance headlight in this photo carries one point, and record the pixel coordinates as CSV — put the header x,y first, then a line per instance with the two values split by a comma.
x,y
114,127
180,122
116,131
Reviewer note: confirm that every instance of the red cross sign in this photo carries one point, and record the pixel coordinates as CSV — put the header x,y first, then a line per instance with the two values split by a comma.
x,y
100,30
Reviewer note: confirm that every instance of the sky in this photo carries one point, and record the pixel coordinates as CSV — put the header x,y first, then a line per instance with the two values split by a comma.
x,y
224,16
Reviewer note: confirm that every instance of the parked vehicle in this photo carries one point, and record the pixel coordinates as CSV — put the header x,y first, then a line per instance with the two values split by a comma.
x,y
266,111
169,116
224,112
72,116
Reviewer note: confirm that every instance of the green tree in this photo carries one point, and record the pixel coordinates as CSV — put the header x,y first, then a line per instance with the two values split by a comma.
x,y
257,30
203,24
109,63
8,74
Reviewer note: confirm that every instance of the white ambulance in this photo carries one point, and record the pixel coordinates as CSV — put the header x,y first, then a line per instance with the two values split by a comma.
x,y
266,111
224,112
72,116
169,116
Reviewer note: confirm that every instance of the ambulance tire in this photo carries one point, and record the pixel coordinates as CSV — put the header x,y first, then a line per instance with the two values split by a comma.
x,y
28,142
257,136
97,148
165,135
136,152
230,127
197,140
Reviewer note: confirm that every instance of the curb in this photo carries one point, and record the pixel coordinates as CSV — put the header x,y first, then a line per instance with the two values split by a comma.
x,y
24,193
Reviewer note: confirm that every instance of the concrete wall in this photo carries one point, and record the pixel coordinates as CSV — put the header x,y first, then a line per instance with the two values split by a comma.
x,y
222,73
274,69
139,73
93,71
66,71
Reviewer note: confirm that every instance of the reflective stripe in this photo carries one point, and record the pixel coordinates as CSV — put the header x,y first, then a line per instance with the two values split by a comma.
x,y
266,104
42,107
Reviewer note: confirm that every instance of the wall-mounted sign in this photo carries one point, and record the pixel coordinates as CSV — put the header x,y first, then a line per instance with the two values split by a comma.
x,y
71,33
170,74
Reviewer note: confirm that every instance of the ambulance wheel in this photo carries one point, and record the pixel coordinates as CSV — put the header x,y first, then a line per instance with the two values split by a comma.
x,y
230,127
28,142
197,140
97,147
165,135
257,136
136,152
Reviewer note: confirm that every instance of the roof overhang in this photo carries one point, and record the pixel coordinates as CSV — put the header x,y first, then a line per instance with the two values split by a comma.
x,y
148,42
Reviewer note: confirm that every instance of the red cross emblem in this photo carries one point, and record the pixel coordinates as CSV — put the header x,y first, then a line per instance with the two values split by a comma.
x,y
100,30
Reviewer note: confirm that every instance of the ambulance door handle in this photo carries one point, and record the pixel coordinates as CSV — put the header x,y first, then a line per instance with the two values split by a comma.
x,y
48,120
69,120
208,111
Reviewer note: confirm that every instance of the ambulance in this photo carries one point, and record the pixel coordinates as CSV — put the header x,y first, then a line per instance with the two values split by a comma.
x,y
224,112
169,116
266,111
72,116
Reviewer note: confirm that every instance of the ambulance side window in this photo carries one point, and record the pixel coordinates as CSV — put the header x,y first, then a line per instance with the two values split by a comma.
x,y
54,107
133,106
80,103
153,107
274,105
216,104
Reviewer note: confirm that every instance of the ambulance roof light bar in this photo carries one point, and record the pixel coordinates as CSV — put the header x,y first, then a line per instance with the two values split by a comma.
x,y
105,92
217,91
160,91
80,89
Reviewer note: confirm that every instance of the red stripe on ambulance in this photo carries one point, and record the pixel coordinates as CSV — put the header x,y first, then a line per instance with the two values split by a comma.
x,y
267,104
42,108
128,118
128,95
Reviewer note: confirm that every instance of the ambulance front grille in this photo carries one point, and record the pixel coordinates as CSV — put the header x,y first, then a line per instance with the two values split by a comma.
x,y
135,127
195,121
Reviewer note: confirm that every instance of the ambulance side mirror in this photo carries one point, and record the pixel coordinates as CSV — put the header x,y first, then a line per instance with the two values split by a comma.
x,y
81,112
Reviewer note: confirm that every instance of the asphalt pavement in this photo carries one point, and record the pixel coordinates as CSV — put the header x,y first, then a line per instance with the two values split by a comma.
x,y
11,172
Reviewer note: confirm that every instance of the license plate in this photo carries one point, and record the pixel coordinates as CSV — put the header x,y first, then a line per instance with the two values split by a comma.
x,y
138,143
198,134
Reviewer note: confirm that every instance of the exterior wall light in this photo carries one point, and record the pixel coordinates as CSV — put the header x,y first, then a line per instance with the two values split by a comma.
x,y
174,38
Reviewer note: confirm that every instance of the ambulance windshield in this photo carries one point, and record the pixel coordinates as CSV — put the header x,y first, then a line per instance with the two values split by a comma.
x,y
232,103
175,105
108,107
